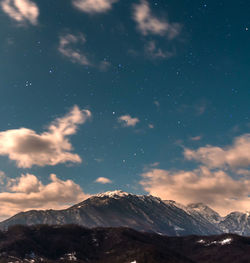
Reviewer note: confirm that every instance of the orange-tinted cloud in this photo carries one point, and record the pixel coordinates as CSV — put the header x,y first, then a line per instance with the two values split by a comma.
x,y
21,10
148,24
235,155
28,192
27,148
93,6
214,188
127,120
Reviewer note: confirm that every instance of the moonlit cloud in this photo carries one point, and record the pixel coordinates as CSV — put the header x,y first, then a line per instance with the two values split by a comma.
x,y
103,180
27,148
211,183
67,49
236,155
28,192
216,189
94,6
127,120
148,24
21,10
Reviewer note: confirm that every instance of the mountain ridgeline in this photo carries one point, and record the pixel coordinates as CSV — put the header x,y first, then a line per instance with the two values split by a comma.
x,y
140,212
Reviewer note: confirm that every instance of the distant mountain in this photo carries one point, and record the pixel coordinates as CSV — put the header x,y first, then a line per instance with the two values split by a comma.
x,y
71,243
117,208
140,212
201,210
236,222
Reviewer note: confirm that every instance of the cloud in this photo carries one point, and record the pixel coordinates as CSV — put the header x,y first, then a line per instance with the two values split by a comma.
x,y
75,55
68,47
103,180
28,192
52,147
154,52
196,138
21,10
244,172
127,120
211,182
236,155
94,6
155,164
216,189
148,24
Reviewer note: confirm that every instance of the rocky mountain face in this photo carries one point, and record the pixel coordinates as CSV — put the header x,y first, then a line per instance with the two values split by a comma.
x,y
115,209
200,210
236,222
71,243
140,212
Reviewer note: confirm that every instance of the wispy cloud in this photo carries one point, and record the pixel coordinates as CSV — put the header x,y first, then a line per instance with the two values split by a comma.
x,y
196,138
67,48
28,192
103,180
148,24
27,148
93,6
21,11
155,52
127,120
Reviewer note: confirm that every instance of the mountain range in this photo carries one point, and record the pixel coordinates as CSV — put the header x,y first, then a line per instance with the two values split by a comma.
x,y
140,212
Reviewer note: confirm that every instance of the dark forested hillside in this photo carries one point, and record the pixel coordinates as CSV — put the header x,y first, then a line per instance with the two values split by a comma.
x,y
71,243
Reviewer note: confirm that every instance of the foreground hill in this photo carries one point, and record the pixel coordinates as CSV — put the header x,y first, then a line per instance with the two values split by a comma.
x,y
140,212
72,243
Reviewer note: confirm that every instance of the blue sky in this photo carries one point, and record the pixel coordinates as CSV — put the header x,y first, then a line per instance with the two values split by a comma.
x,y
155,95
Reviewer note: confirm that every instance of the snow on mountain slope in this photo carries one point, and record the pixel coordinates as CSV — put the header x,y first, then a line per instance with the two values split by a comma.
x,y
236,222
118,208
141,212
200,213
205,211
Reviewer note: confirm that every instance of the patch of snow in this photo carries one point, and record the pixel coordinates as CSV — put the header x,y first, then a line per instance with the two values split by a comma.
x,y
113,194
119,193
226,241
71,256
177,228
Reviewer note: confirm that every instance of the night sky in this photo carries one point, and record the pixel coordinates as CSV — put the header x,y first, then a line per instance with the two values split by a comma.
x,y
151,97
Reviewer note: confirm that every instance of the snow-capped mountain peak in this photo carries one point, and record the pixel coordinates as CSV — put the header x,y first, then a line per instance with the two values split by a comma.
x,y
117,194
113,194
141,212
